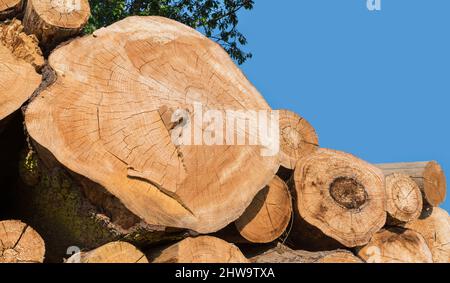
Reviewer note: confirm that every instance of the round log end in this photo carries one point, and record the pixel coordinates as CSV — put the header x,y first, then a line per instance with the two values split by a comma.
x,y
268,215
434,186
404,198
341,195
114,252
9,8
340,257
297,138
20,243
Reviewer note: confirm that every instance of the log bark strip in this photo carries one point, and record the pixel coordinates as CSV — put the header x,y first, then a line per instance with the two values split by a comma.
x,y
19,243
114,252
105,119
429,176
10,8
204,249
434,226
341,195
54,21
267,217
396,245
297,138
404,198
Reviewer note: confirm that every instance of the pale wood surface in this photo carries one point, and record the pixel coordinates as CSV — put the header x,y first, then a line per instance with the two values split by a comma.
x,y
114,252
10,8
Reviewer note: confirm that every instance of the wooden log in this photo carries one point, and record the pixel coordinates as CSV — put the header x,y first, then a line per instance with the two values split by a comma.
x,y
114,252
10,8
106,119
18,81
340,195
297,138
429,176
204,249
19,243
54,21
396,245
434,226
282,254
404,199
268,216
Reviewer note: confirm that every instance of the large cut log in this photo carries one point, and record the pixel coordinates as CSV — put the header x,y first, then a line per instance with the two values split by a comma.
x,y
396,245
297,138
429,176
267,217
18,78
19,243
107,118
282,254
10,8
434,226
404,198
204,249
341,196
114,252
54,21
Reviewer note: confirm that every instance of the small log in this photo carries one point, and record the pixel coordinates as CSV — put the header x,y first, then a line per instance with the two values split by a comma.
x,y
404,199
204,249
434,226
19,243
282,254
429,176
267,217
114,252
297,138
396,245
340,195
54,21
10,8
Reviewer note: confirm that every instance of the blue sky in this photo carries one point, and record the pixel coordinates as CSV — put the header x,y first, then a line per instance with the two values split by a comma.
x,y
375,84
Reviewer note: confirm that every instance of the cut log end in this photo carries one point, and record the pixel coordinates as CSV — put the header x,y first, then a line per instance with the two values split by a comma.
x,y
404,199
396,245
55,21
10,8
297,138
341,195
268,215
114,252
203,249
20,243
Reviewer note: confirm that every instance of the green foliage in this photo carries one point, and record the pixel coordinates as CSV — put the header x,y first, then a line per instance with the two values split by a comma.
x,y
217,19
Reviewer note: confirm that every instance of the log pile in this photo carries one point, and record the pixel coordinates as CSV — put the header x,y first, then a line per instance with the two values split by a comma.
x,y
114,163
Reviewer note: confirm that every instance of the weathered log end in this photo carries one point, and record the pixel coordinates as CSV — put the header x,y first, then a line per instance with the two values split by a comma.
x,y
114,252
10,8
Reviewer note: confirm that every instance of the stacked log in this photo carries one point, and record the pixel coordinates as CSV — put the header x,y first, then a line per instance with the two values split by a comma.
x,y
10,8
114,252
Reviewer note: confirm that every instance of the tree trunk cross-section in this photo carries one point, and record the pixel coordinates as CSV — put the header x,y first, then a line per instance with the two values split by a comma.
x,y
267,217
54,21
341,195
429,176
204,249
114,252
105,118
19,243
396,245
9,8
404,199
297,138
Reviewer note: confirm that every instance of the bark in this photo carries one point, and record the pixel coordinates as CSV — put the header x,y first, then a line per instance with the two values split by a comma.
x,y
297,138
404,199
396,245
106,119
429,176
19,243
339,195
10,8
267,217
204,249
434,226
54,21
114,252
